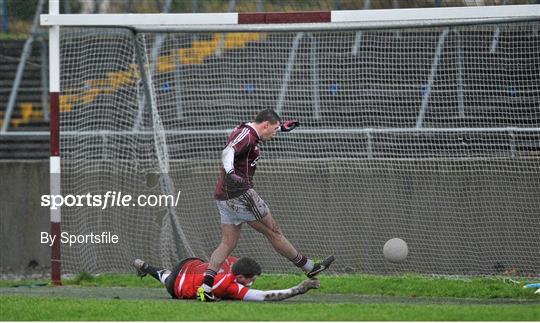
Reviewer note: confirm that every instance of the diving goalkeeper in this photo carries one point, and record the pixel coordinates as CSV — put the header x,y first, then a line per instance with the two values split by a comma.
x,y
233,280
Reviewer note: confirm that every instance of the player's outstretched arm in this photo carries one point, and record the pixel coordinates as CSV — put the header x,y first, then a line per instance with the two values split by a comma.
x,y
278,295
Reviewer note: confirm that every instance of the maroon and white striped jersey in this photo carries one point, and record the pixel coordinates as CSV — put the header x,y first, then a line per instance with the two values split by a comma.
x,y
245,142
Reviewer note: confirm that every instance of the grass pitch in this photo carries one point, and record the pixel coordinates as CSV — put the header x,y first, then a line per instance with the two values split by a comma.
x,y
345,298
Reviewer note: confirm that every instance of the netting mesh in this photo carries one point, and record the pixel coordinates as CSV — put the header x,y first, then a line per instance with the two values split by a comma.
x,y
430,134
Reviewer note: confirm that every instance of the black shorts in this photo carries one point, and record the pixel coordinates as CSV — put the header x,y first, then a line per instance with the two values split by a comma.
x,y
169,282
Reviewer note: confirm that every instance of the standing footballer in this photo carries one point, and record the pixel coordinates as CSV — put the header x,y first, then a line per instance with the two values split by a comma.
x,y
239,203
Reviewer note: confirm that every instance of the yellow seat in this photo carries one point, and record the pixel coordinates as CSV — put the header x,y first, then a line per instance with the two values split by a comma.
x,y
99,83
66,102
26,111
165,63
15,122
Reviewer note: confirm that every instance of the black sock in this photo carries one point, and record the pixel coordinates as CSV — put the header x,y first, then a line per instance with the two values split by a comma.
x,y
209,276
153,271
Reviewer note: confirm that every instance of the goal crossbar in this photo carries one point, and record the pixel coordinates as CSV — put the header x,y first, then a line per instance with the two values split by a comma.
x,y
310,21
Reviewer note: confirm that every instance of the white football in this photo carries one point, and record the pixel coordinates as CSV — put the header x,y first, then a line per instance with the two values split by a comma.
x,y
395,250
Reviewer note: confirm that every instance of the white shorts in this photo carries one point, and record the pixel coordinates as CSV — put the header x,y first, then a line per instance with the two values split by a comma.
x,y
247,207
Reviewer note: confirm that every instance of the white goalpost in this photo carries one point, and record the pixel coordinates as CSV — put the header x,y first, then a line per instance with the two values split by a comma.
x,y
422,124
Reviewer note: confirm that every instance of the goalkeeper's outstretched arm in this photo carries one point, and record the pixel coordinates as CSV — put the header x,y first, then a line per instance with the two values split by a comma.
x,y
278,295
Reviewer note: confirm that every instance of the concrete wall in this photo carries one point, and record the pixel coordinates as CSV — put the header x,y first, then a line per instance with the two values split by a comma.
x,y
21,217
458,217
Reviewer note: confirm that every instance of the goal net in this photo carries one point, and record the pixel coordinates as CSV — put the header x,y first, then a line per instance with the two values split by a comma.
x,y
430,134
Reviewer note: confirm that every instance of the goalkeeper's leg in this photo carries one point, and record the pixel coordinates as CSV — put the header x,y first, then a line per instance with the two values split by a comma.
x,y
144,268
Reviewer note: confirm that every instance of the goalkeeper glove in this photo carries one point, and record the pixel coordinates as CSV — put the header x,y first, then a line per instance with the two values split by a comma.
x,y
308,284
289,125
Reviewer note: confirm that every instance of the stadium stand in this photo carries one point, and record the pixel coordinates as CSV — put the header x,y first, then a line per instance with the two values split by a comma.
x,y
380,86
28,113
398,85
